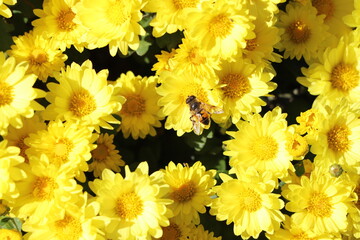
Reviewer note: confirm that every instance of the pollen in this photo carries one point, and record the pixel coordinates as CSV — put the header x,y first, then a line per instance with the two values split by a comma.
x,y
344,77
119,12
236,85
134,106
100,153
220,26
65,20
251,44
184,193
249,200
43,188
319,205
61,150
181,4
68,228
337,138
264,148
6,94
129,205
298,32
171,232
195,57
82,103
325,7
38,57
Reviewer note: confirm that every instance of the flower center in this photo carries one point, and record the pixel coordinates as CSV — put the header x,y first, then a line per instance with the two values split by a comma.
x,y
43,188
38,57
250,200
82,103
134,105
251,44
298,32
264,148
61,150
220,26
65,20
129,206
319,205
119,12
325,7
181,4
171,232
6,94
100,153
195,58
184,193
68,228
236,85
337,138
301,236
344,77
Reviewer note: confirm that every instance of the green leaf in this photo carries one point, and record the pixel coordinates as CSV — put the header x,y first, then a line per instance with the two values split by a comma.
x,y
170,41
10,223
5,36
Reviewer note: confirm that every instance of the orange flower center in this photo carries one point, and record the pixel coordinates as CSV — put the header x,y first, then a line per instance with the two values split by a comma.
x,y
344,77
181,4
65,20
134,105
220,26
82,103
337,138
236,85
184,193
325,7
298,32
129,206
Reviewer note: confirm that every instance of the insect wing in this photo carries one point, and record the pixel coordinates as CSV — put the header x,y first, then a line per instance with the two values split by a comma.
x,y
197,127
211,109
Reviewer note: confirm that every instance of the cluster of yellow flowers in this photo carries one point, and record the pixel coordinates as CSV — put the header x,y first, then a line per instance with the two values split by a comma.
x,y
52,136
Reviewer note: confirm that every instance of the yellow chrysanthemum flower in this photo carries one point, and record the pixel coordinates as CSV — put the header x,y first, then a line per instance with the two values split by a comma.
x,y
335,75
170,15
44,192
16,136
334,12
111,22
191,57
140,112
294,232
165,62
43,54
105,156
9,170
309,122
338,139
189,189
4,10
354,212
135,205
297,145
261,142
221,27
248,202
241,86
83,96
174,91
320,203
67,146
57,21
78,221
17,95
302,31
